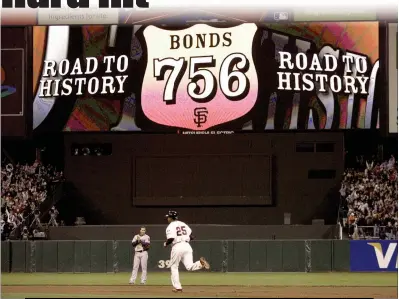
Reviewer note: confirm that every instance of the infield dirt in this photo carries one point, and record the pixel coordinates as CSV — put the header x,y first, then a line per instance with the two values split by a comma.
x,y
209,291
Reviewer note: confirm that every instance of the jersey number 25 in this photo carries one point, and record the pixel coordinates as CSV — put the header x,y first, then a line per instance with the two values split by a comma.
x,y
181,230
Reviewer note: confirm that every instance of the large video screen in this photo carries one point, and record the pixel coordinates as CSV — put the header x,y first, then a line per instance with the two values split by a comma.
x,y
207,78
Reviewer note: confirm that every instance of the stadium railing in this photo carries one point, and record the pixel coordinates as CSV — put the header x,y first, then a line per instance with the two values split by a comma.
x,y
373,232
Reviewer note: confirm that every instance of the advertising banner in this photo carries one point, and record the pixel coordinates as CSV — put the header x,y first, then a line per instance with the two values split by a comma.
x,y
207,77
374,256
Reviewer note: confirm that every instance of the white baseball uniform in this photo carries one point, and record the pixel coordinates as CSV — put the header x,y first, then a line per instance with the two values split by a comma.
x,y
181,250
140,257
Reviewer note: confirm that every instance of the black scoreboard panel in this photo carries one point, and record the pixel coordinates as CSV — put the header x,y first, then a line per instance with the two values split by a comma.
x,y
16,113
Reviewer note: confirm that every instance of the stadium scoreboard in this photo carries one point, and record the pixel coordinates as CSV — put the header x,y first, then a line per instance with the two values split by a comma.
x,y
221,70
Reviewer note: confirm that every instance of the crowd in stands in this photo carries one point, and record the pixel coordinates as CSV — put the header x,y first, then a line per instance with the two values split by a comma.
x,y
369,199
23,189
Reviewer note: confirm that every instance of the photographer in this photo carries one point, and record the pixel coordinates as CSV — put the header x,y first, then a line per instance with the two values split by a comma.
x,y
25,234
36,221
53,217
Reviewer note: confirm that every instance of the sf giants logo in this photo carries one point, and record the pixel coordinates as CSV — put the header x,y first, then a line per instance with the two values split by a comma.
x,y
203,69
201,117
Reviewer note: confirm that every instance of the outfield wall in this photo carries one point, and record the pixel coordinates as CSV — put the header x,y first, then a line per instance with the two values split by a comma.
x,y
224,256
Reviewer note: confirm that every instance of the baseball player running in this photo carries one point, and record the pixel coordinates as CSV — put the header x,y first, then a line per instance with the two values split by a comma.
x,y
179,235
141,245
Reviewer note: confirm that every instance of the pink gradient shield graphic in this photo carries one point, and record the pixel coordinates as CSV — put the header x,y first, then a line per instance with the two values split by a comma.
x,y
199,77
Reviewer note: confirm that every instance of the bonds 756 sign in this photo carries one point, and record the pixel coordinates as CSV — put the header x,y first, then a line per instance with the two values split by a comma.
x,y
209,78
205,68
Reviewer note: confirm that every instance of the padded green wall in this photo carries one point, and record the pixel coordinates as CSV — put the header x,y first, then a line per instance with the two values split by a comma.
x,y
224,256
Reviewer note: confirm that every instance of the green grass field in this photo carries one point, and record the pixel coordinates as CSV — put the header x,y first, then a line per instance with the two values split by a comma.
x,y
26,285
203,278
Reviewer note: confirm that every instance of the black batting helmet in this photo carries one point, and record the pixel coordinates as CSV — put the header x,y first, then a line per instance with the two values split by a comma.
x,y
172,214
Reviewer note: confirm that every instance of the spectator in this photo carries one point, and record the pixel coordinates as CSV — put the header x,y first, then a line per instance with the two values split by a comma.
x,y
355,235
6,228
351,223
